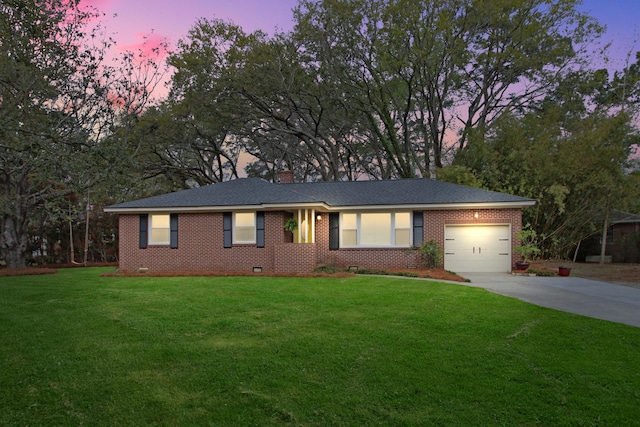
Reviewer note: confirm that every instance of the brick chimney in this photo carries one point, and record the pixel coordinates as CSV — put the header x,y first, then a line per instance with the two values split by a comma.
x,y
286,177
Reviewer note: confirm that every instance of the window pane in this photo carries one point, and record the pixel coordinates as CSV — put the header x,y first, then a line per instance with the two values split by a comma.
x,y
159,225
349,221
159,221
403,220
160,235
245,235
245,219
349,238
375,229
403,237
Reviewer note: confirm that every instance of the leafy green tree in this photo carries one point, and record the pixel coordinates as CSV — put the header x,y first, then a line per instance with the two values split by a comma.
x,y
58,103
516,50
300,118
382,88
421,70
194,137
45,78
377,52
570,154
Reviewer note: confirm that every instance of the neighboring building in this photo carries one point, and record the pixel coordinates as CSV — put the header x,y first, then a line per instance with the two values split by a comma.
x,y
623,240
238,226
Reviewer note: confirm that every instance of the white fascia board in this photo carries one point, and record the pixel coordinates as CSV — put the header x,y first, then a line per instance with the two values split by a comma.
x,y
440,206
195,209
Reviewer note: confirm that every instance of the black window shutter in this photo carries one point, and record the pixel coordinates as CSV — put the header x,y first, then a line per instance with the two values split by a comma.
x,y
334,231
226,223
418,228
173,225
260,229
144,226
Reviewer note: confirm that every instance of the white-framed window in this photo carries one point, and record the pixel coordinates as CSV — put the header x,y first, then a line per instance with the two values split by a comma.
x,y
402,228
349,228
375,229
244,226
159,225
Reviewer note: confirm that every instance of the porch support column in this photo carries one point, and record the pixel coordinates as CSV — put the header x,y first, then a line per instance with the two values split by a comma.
x,y
306,226
313,226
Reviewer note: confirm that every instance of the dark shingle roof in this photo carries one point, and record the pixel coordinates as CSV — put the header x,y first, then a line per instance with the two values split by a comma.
x,y
256,192
398,192
619,217
247,191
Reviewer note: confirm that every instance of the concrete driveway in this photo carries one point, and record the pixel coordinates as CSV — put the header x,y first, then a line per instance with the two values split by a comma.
x,y
591,298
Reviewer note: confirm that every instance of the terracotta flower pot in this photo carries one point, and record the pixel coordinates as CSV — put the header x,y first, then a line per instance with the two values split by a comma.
x,y
564,271
522,266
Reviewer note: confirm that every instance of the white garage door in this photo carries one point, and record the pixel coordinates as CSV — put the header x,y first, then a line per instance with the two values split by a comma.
x,y
477,248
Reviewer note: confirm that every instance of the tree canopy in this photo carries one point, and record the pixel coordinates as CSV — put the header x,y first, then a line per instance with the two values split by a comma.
x,y
498,94
58,103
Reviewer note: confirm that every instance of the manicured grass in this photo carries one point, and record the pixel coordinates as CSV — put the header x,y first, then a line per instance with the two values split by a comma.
x,y
76,348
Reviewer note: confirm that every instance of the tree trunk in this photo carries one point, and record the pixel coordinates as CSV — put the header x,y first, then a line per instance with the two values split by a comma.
x,y
14,243
575,254
72,257
605,228
86,232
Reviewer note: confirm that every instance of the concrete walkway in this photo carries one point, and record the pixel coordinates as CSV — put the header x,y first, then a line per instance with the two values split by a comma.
x,y
591,298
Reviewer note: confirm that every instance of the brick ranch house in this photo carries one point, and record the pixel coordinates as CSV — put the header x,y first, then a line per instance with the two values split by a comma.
x,y
238,226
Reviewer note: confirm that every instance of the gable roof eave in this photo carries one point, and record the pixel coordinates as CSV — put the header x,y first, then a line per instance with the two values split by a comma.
x,y
438,206
620,217
321,206
219,208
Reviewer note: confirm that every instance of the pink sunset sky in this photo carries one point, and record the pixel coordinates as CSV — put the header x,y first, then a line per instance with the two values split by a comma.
x,y
129,22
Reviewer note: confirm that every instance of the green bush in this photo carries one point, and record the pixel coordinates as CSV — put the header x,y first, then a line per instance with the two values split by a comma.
x,y
328,269
528,247
430,254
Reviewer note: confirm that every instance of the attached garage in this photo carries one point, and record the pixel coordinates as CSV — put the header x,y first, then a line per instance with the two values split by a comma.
x,y
477,248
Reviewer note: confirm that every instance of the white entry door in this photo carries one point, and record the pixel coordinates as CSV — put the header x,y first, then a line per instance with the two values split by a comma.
x,y
477,248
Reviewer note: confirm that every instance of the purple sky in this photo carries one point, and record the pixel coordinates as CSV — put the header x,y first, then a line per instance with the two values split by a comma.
x,y
131,20
171,19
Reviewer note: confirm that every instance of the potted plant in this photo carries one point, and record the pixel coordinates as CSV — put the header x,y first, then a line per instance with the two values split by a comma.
x,y
527,248
564,271
291,225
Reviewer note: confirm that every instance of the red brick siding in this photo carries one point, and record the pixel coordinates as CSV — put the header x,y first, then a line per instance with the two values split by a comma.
x,y
295,257
626,243
200,244
374,258
435,221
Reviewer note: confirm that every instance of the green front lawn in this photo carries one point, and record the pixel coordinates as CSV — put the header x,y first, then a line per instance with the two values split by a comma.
x,y
79,349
